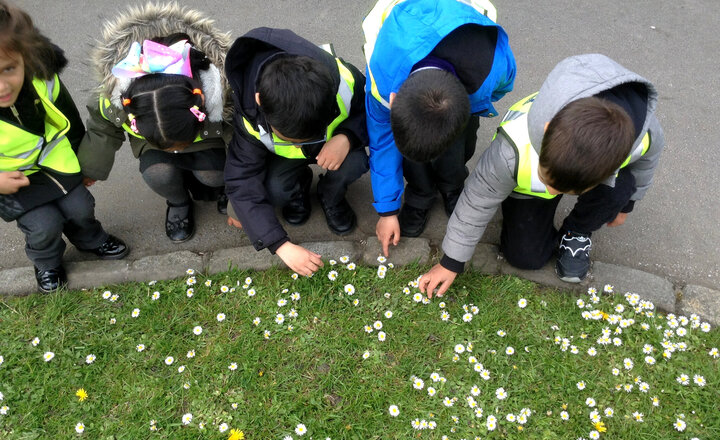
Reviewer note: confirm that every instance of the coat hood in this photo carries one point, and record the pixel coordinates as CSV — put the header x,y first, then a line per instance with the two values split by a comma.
x,y
579,77
139,23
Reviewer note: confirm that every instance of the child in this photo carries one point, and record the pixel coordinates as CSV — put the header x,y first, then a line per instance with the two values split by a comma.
x,y
162,86
433,67
295,105
591,130
40,181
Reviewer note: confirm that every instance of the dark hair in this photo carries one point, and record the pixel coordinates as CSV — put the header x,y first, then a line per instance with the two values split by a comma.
x,y
585,143
430,110
42,59
297,96
161,106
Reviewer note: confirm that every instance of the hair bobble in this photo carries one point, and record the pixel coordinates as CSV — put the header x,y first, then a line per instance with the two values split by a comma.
x,y
126,101
195,110
197,92
133,123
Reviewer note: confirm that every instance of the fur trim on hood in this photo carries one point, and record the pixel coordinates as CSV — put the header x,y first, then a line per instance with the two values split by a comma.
x,y
139,23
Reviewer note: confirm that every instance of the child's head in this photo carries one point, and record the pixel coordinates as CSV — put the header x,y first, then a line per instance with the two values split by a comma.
x,y
296,95
429,112
584,144
165,109
24,53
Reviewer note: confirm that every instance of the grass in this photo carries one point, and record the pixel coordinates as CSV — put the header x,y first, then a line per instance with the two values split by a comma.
x,y
327,373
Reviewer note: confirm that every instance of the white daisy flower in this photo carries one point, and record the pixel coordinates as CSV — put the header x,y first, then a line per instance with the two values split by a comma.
x,y
679,425
114,298
417,297
279,318
266,334
140,347
89,359
705,327
381,336
366,355
445,316
293,313
294,276
418,383
197,330
187,418
48,356
683,379
344,259
295,296
448,402
522,303
564,415
467,317
223,427
699,380
431,391
106,294
388,314
4,410
169,360
190,292
300,429
80,428
378,325
581,385
135,313
509,351
349,289
381,259
491,423
190,271
609,412
628,364
190,354
590,402
500,393
394,410
351,266
638,416
181,368
256,321
232,366
459,348
191,281
155,296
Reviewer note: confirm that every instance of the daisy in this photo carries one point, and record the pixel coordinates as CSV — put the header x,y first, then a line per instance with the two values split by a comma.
x,y
351,266
679,425
592,351
256,321
491,423
220,317
140,347
459,349
699,380
300,429
190,271
344,259
394,410
106,294
181,368
295,296
281,302
191,281
208,283
705,327
628,364
445,316
224,289
500,394
266,334
388,314
638,416
190,292
448,402
467,317
475,390
279,318
381,259
485,374
594,435
332,262
431,391
349,289
581,385
366,355
190,354
608,288
714,353
80,428
381,336
294,276
417,297
197,330
522,303
4,410
418,383
564,415
135,313
89,359
223,427
293,313
186,385
683,379
378,325
248,281
48,356
655,401
251,292
187,418
368,329
232,366
509,351
442,304
169,360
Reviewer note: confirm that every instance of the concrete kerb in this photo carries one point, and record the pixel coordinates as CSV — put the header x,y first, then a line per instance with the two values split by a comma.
x,y
89,274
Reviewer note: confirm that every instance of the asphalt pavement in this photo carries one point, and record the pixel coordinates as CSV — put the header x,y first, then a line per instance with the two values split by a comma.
x,y
673,232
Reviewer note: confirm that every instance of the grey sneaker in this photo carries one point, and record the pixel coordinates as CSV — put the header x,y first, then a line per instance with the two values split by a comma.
x,y
573,261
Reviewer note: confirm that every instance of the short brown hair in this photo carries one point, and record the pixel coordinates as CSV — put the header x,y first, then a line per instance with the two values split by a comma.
x,y
19,35
585,143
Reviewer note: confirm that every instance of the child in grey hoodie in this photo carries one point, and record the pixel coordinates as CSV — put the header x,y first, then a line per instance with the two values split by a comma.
x,y
590,131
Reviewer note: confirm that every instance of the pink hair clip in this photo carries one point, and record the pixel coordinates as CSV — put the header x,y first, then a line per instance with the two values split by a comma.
x,y
198,114
133,123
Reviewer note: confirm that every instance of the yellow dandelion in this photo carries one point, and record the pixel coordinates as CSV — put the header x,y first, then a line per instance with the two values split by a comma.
x,y
600,427
605,316
236,434
81,394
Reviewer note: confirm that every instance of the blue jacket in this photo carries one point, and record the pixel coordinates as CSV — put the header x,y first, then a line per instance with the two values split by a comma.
x,y
409,33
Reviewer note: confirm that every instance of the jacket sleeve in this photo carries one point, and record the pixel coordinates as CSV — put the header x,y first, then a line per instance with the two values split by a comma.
x,y
491,182
643,169
386,174
102,140
355,127
67,107
245,170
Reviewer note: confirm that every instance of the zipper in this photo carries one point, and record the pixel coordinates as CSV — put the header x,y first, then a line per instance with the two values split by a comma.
x,y
62,188
15,113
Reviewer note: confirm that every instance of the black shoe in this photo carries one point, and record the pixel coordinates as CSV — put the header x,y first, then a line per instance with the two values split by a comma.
x,y
51,280
222,203
340,218
573,261
450,200
179,227
412,220
112,249
297,211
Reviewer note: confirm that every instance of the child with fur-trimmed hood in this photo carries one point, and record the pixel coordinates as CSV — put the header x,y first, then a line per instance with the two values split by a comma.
x,y
163,88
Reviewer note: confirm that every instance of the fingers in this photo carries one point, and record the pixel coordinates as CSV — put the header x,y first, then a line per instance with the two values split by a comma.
x,y
424,280
385,245
396,239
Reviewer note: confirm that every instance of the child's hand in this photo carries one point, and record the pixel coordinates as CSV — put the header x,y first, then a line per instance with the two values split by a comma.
x,y
437,278
334,152
387,231
88,181
619,220
232,222
12,181
299,259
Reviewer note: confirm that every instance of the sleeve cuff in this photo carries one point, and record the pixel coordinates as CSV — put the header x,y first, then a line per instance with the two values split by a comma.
x,y
452,264
275,246
389,213
629,207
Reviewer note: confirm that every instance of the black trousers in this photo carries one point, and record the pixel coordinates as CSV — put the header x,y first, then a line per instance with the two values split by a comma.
x,y
446,173
528,238
284,177
72,214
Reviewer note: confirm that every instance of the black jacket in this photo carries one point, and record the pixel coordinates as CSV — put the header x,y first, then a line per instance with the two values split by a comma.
x,y
245,168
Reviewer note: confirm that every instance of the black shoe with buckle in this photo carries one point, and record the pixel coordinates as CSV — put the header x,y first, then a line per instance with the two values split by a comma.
x,y
297,211
222,203
50,280
412,220
179,222
573,261
340,218
450,199
112,249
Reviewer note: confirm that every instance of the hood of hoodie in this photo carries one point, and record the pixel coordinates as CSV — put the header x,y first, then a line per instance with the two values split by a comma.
x,y
579,77
139,23
249,54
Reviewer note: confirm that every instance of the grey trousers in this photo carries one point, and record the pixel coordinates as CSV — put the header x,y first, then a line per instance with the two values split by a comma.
x,y
73,215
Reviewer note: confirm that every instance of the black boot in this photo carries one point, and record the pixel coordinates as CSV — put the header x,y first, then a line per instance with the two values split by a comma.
x,y
297,211
50,280
412,220
179,222
222,203
450,199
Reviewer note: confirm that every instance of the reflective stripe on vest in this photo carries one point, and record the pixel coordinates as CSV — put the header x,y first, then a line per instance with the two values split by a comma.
x,y
514,126
24,151
374,20
344,99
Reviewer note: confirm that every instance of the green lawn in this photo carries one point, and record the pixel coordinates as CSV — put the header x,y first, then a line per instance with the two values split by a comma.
x,y
487,369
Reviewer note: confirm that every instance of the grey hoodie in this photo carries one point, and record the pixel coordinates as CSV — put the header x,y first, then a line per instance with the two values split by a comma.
x,y
495,176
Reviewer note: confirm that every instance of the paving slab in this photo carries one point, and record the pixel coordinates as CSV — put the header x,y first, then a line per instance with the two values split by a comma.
x,y
407,251
545,276
700,300
164,267
92,274
485,259
17,281
624,279
244,257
